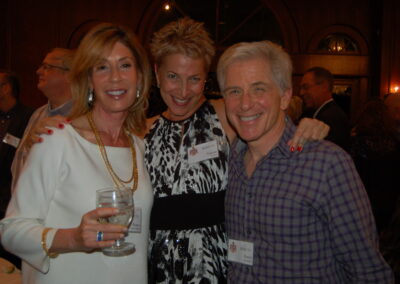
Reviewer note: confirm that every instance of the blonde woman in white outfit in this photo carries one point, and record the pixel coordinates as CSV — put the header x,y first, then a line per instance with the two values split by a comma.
x,y
51,222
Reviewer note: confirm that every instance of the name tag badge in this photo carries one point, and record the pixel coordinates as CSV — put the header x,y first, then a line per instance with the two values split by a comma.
x,y
136,225
202,152
240,252
11,140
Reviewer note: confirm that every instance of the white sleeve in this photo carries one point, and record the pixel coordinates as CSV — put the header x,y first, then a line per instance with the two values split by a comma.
x,y
21,229
22,151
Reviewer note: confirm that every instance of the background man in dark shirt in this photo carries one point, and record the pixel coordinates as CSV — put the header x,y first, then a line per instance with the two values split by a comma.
x,y
316,91
13,119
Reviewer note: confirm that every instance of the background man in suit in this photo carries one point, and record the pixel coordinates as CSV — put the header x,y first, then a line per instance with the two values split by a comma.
x,y
316,91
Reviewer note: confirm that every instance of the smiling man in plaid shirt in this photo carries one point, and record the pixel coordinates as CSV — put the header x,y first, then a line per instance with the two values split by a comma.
x,y
291,217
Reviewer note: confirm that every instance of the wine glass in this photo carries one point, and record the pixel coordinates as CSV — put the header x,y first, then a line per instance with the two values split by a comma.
x,y
121,198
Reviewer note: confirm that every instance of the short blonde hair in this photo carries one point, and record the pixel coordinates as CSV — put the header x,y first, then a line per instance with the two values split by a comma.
x,y
100,39
278,59
184,36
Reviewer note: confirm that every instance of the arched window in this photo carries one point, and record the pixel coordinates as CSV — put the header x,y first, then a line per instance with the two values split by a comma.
x,y
338,43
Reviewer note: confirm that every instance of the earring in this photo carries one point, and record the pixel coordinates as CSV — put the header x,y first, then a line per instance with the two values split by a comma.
x,y
90,98
137,93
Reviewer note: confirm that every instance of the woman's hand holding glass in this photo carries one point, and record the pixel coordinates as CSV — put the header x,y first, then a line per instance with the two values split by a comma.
x,y
86,235
121,198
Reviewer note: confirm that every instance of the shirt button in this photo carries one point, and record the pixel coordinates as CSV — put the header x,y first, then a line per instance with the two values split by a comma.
x,y
249,232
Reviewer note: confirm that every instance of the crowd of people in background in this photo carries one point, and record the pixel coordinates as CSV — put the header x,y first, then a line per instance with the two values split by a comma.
x,y
211,177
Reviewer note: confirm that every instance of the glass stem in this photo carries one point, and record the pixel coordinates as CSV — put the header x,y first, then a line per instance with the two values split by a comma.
x,y
119,243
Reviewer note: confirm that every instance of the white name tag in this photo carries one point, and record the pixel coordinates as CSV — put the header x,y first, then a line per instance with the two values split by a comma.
x,y
240,252
201,152
11,140
136,225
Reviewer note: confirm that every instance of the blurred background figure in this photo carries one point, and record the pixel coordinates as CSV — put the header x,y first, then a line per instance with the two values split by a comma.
x,y
376,153
14,117
295,109
392,101
54,83
316,91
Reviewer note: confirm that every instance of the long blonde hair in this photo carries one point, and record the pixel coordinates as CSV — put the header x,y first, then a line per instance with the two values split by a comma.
x,y
102,38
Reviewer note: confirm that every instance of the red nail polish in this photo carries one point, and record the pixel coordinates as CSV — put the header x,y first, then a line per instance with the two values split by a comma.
x,y
68,120
61,126
292,149
299,148
49,131
40,140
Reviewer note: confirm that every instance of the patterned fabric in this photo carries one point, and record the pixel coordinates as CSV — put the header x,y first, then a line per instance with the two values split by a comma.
x,y
307,215
195,255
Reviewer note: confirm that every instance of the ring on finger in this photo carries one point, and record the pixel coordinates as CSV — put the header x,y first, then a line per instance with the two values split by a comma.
x,y
99,236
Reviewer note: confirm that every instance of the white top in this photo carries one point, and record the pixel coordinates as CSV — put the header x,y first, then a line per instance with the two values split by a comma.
x,y
22,151
58,186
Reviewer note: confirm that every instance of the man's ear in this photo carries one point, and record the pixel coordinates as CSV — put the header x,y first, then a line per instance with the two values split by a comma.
x,y
285,99
7,89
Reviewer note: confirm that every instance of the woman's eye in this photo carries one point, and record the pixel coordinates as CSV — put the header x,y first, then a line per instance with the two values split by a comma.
x,y
195,79
171,76
100,67
126,65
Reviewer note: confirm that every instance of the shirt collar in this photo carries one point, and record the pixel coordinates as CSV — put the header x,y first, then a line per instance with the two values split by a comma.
x,y
321,106
239,147
288,134
62,110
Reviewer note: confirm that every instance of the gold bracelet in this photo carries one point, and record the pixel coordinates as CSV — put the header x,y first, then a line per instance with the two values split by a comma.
x,y
44,245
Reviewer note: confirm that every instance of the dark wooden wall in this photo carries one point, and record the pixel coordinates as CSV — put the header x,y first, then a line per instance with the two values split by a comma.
x,y
29,28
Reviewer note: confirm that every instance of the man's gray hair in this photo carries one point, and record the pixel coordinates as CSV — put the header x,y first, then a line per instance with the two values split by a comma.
x,y
278,59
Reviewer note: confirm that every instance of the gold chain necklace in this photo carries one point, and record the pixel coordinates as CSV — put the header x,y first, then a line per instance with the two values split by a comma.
x,y
117,180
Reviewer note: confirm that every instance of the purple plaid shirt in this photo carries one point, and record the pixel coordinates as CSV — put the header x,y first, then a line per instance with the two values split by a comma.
x,y
307,215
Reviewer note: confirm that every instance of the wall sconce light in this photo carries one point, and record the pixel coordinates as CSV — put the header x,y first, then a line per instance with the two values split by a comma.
x,y
167,6
394,89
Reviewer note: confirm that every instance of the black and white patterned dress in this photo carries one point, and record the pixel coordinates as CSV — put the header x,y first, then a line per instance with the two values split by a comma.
x,y
189,243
